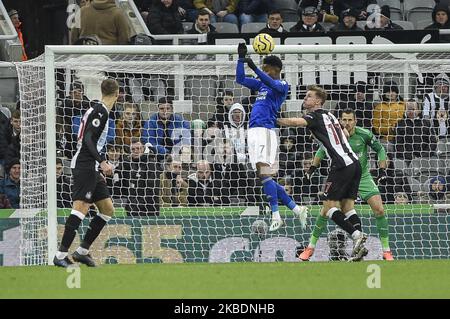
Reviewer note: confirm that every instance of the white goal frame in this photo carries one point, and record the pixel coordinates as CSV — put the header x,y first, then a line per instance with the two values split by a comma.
x,y
52,50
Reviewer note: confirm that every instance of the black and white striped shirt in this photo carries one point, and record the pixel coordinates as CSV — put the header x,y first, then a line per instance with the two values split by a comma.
x,y
327,131
91,137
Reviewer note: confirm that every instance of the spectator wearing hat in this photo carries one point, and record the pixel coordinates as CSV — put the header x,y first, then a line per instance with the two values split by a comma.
x,y
308,21
69,111
274,23
326,9
10,185
436,104
382,20
348,21
389,112
440,16
164,129
437,189
14,16
358,102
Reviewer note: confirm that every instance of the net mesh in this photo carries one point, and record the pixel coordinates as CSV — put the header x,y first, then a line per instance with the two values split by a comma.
x,y
166,213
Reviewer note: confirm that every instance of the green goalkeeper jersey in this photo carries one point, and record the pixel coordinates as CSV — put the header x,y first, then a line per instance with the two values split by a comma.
x,y
359,142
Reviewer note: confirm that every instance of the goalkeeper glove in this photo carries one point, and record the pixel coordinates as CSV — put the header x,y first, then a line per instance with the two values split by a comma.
x,y
250,63
310,172
381,175
242,50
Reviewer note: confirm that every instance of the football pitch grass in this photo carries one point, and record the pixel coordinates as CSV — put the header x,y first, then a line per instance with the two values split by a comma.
x,y
398,279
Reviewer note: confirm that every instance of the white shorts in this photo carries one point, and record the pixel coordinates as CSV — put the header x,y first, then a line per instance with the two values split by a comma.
x,y
262,146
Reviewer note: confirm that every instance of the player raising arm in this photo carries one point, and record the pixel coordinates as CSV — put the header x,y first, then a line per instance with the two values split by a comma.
x,y
262,140
360,138
342,184
88,184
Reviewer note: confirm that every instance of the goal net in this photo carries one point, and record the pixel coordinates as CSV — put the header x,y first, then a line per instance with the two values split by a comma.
x,y
183,187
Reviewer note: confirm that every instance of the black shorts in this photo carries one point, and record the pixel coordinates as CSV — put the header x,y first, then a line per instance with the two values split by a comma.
x,y
88,186
343,183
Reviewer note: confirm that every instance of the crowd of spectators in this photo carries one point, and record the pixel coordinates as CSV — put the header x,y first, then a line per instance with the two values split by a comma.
x,y
156,159
165,17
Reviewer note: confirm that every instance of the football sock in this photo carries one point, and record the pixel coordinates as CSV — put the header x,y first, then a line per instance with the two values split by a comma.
x,y
321,223
270,189
70,229
339,218
95,227
353,218
383,231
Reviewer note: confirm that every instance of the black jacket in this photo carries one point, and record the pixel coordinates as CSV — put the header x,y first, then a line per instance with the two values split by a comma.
x,y
445,38
201,193
272,31
299,27
341,27
140,185
193,30
5,137
415,137
162,20
13,150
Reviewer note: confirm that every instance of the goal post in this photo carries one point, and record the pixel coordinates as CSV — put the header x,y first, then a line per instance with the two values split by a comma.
x,y
196,76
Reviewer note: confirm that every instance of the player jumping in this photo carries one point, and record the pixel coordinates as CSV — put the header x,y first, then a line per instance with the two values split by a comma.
x,y
262,140
89,185
359,139
342,184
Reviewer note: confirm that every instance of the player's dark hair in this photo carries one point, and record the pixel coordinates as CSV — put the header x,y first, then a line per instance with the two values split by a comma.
x,y
202,12
273,60
349,111
135,140
165,100
319,91
109,87
15,114
275,11
58,161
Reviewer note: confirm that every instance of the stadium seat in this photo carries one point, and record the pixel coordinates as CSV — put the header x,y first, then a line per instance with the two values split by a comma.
x,y
252,27
288,25
422,24
327,26
427,166
395,6
443,147
225,27
406,25
67,171
416,185
361,24
447,163
417,10
402,166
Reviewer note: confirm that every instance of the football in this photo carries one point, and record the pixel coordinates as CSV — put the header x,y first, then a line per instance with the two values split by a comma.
x,y
263,43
